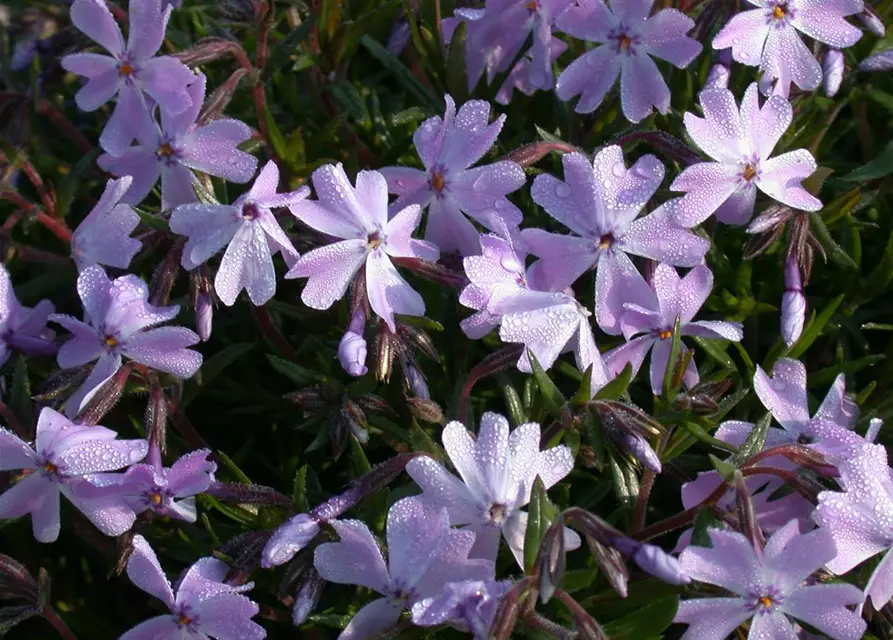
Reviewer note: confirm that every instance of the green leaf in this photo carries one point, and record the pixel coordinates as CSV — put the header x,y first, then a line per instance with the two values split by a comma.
x,y
814,329
233,468
834,250
672,360
299,493
754,442
20,396
280,144
626,486
716,349
73,180
456,75
881,166
826,376
648,622
359,461
581,397
421,440
401,74
151,220
513,404
704,520
213,367
553,399
700,434
725,470
301,376
537,524
617,387
282,52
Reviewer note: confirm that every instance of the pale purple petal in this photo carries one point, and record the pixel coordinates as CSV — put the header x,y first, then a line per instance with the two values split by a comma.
x,y
443,489
131,115
354,559
95,456
785,54
573,202
180,124
738,209
372,195
98,90
544,329
780,178
330,270
641,88
337,194
690,293
247,264
587,20
14,452
288,539
45,520
227,616
823,606
623,192
400,242
617,282
470,135
774,625
89,65
730,563
372,620
714,330
823,20
176,186
212,149
164,349
590,76
664,36
707,186
140,164
388,292
631,10
157,628
460,448
857,534
564,258
405,181
146,573
658,236
208,228
83,347
746,34
711,618
104,369
165,79
147,20
784,394
26,496
880,586
329,221
191,474
417,533
632,352
428,138
95,20
795,557
481,192
837,406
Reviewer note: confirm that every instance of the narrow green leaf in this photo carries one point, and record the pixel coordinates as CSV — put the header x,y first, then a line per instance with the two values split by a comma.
x,y
71,182
704,520
581,397
716,349
20,396
280,144
725,470
401,74
834,250
754,442
617,387
513,405
296,373
359,461
553,399
881,166
648,622
457,78
826,376
233,468
285,50
812,332
299,493
700,434
537,524
675,348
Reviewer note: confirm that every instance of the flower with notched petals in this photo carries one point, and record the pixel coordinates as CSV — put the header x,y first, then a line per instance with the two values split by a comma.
x,y
22,328
103,237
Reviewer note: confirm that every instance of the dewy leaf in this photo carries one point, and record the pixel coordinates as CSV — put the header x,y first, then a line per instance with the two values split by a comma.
x,y
401,73
648,622
294,372
881,166
675,348
835,251
754,442
457,78
617,387
815,328
289,47
537,523
725,469
553,399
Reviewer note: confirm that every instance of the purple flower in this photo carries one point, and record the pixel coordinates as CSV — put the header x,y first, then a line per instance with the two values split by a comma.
x,y
628,38
165,491
767,36
177,146
64,457
450,190
470,606
497,273
352,348
129,71
655,316
290,538
860,519
768,587
116,323
740,144
784,395
359,216
519,78
203,605
498,470
103,237
882,61
23,328
503,27
424,554
793,302
833,68
599,202
549,324
249,231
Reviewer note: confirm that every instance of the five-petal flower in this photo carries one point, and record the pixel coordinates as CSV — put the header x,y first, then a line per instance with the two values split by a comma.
x,y
23,328
103,237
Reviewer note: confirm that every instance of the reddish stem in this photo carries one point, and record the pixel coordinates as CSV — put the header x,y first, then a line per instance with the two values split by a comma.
x,y
56,227
50,615
62,122
273,334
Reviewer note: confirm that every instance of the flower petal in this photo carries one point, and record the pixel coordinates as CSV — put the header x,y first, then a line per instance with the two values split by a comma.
x,y
354,559
641,88
247,264
785,55
784,394
730,563
330,270
96,21
388,292
780,178
165,79
711,618
590,76
746,34
664,36
163,348
208,227
212,149
146,573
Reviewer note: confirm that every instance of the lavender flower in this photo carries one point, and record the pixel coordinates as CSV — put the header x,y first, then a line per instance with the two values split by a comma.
x,y
628,38
425,553
103,237
833,68
859,519
655,315
166,491
720,72
352,348
502,29
497,273
172,150
129,71
767,36
117,320
249,231
599,201
64,457
740,143
519,78
882,61
549,324
450,190
23,328
793,302
290,538
768,587
498,470
359,215
203,605
470,606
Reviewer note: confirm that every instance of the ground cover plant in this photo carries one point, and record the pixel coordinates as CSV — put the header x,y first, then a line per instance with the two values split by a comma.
x,y
397,318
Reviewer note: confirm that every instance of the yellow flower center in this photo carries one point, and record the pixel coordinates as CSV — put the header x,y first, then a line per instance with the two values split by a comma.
x,y
663,335
778,12
531,6
625,42
49,467
438,182
766,601
125,69
155,498
749,172
184,620
165,151
111,341
605,241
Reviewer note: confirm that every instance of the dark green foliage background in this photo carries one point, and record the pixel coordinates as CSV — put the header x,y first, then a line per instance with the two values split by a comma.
x,y
346,101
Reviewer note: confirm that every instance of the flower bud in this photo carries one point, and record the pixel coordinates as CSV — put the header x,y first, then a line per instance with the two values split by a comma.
x,y
207,50
507,614
530,154
218,101
550,561
660,564
718,77
16,581
415,381
385,350
156,418
793,303
833,66
425,410
399,38
204,315
352,354
872,22
105,398
639,448
307,596
874,428
165,275
242,493
288,539
882,61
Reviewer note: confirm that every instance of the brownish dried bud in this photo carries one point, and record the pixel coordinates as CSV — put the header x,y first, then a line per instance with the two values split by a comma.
x,y
372,403
627,418
62,383
16,581
156,416
385,351
507,614
530,154
550,560
425,410
419,339
165,275
433,271
207,50
240,493
218,101
106,398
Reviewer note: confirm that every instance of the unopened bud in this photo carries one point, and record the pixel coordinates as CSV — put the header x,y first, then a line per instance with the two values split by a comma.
x,y
206,51
530,154
425,410
398,38
507,615
246,557
419,339
204,315
639,448
156,418
372,403
626,418
105,398
307,596
415,381
385,351
242,493
165,275
218,101
793,302
872,22
433,271
660,564
550,562
16,581
352,354
882,61
874,427
61,383
288,539
833,66
612,565
355,420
